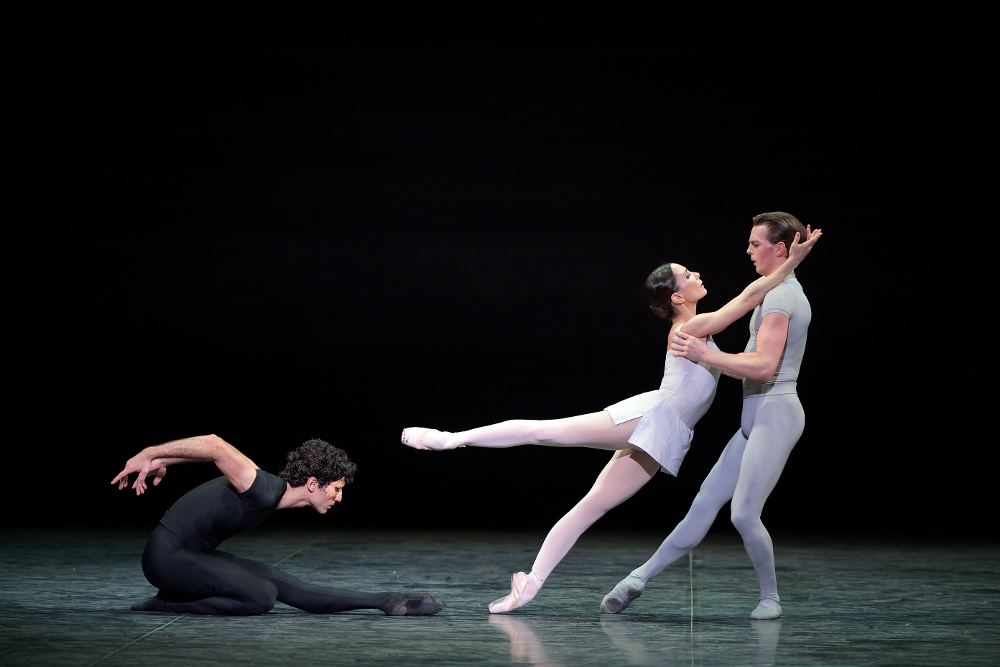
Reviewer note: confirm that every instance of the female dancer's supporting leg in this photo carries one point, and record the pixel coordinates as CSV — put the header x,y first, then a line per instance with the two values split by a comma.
x,y
628,470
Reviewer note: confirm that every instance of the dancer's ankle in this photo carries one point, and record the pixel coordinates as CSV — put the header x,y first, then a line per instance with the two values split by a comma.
x,y
426,438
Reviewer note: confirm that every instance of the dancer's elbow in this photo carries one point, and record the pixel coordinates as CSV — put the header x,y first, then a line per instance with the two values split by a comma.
x,y
213,440
763,372
764,375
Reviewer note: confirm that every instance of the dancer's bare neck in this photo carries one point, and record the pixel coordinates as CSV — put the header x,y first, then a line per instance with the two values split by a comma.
x,y
685,312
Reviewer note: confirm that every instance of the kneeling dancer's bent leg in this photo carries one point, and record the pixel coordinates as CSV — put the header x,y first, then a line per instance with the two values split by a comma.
x,y
196,582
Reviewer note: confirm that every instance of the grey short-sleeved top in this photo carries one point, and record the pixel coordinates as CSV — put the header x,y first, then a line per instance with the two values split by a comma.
x,y
789,300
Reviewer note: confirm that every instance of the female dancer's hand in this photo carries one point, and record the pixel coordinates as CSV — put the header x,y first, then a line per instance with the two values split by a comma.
x,y
798,251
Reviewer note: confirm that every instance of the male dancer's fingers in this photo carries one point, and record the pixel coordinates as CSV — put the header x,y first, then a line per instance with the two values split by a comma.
x,y
140,481
122,479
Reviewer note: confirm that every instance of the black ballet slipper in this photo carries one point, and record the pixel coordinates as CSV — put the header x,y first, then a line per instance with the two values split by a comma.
x,y
150,604
401,604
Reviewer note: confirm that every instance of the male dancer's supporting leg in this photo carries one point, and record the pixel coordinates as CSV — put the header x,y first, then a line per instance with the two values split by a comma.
x,y
626,472
716,491
778,423
746,472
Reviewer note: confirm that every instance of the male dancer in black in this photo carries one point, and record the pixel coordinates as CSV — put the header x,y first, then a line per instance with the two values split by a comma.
x,y
181,559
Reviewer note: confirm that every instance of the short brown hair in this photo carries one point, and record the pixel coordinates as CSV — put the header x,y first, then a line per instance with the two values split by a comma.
x,y
781,227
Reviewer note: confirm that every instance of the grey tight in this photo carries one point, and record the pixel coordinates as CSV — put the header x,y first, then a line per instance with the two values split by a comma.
x,y
746,474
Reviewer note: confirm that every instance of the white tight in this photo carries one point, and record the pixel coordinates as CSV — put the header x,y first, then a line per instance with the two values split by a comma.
x,y
746,474
627,471
595,430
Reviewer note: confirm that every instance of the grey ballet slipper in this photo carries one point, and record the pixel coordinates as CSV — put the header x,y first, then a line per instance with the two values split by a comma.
x,y
767,610
401,604
150,604
622,595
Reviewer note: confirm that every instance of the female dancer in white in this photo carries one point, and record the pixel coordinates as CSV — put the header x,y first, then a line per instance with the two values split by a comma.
x,y
648,432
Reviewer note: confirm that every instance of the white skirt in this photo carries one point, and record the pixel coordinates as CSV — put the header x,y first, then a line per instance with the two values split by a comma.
x,y
660,433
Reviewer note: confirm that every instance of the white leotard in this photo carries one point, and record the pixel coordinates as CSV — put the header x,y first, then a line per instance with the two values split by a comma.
x,y
669,413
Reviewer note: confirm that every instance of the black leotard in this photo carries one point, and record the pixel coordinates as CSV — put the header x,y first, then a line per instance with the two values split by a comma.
x,y
181,560
210,514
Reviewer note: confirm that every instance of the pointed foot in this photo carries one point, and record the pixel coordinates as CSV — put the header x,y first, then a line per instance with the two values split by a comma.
x,y
401,604
622,595
523,588
426,438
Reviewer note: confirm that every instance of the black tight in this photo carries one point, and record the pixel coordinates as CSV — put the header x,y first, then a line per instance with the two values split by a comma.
x,y
196,582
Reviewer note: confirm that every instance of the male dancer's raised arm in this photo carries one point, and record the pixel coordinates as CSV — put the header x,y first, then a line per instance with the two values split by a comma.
x,y
752,296
236,466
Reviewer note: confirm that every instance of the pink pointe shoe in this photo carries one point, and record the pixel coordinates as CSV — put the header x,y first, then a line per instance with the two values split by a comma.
x,y
523,588
426,438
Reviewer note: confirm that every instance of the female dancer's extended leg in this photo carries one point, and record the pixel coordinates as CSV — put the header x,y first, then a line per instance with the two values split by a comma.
x,y
626,473
596,430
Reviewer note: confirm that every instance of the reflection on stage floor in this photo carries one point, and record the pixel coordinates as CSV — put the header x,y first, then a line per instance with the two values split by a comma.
x,y
846,601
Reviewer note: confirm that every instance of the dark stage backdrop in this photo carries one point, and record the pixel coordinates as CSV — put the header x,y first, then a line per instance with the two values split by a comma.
x,y
275,229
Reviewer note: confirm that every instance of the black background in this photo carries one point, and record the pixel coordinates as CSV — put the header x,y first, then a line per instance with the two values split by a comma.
x,y
275,225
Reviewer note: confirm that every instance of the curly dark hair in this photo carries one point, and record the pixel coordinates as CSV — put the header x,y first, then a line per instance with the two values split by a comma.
x,y
319,459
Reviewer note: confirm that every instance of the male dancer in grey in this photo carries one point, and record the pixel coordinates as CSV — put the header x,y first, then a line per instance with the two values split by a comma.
x,y
771,423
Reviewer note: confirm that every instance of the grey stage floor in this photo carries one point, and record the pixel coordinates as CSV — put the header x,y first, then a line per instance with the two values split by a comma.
x,y
66,595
